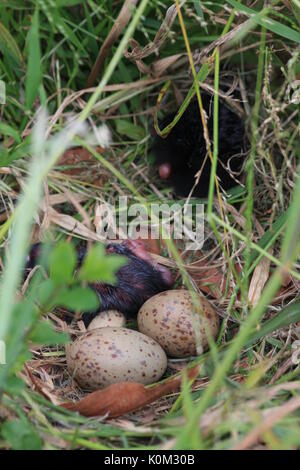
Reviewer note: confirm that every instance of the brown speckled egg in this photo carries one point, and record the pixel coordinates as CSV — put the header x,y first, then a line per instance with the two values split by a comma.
x,y
168,319
111,318
108,355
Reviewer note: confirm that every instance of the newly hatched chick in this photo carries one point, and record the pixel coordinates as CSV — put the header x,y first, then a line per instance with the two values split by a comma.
x,y
138,280
182,153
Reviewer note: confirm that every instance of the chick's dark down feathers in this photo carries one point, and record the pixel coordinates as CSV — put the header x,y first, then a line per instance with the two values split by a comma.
x,y
137,281
184,149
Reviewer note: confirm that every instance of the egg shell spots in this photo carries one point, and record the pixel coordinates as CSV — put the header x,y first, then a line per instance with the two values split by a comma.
x,y
168,319
111,318
107,355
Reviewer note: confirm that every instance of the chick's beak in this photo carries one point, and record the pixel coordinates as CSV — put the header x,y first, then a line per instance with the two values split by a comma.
x,y
164,170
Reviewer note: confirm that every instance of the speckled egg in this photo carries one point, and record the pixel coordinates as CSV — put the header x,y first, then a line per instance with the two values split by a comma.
x,y
107,355
111,318
168,319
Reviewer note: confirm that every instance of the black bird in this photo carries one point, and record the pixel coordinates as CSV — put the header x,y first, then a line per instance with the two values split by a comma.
x,y
138,280
181,154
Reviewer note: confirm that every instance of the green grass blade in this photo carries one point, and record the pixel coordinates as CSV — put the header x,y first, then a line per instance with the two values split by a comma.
x,y
268,23
34,72
9,47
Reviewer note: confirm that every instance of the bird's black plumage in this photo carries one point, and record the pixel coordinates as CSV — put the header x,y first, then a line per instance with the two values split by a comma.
x,y
184,149
137,281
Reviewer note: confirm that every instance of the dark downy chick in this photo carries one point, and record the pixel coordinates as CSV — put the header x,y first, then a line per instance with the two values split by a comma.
x,y
181,154
138,280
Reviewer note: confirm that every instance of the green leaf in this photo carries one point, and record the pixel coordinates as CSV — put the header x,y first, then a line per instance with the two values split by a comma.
x,y
21,435
9,47
68,33
6,129
67,3
268,23
288,315
79,299
44,333
7,156
45,291
34,72
14,385
271,234
130,130
100,267
24,316
63,261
